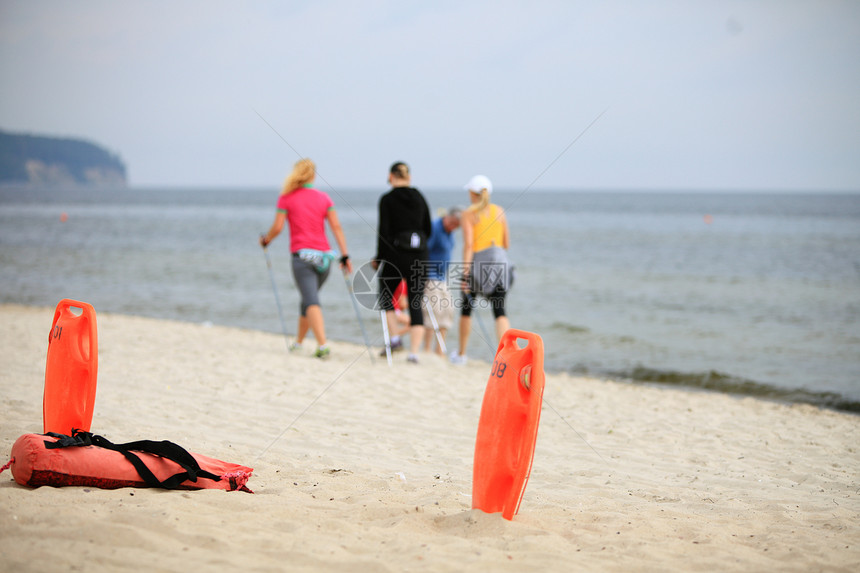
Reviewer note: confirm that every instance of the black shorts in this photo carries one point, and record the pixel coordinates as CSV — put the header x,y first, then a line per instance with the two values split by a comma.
x,y
406,266
496,298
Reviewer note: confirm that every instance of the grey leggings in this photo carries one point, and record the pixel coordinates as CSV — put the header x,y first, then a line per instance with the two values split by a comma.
x,y
308,281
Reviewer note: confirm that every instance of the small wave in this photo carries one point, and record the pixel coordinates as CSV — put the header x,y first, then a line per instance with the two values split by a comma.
x,y
728,384
571,328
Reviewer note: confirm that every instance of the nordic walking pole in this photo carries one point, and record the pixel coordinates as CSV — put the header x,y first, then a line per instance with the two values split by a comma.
x,y
358,315
277,298
435,326
481,326
486,334
385,336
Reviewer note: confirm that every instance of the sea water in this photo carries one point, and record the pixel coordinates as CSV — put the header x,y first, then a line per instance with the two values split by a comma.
x,y
749,293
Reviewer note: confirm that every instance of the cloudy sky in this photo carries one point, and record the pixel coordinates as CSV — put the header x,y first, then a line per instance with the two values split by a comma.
x,y
659,94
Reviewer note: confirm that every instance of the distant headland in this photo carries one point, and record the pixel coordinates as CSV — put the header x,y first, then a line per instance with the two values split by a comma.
x,y
40,160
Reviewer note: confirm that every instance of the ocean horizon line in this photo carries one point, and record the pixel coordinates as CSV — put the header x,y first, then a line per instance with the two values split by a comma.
x,y
357,188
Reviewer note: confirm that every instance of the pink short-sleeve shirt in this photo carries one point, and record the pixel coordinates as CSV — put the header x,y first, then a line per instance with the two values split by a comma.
x,y
306,210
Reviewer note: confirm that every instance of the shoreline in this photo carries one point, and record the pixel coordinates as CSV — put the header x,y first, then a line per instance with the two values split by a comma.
x,y
367,467
708,382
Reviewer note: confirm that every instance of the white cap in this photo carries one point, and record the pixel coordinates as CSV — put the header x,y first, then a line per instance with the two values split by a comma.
x,y
478,183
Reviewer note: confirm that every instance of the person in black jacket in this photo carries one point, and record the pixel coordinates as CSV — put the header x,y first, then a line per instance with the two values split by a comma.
x,y
404,227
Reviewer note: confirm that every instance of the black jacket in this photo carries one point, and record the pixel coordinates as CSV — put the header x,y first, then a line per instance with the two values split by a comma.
x,y
402,210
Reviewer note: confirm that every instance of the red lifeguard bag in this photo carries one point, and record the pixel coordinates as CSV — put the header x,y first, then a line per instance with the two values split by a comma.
x,y
84,459
508,425
71,369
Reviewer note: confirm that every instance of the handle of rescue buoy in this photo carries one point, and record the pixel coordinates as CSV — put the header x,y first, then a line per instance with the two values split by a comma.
x,y
526,376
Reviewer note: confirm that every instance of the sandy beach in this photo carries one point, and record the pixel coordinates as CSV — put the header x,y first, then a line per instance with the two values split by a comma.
x,y
362,467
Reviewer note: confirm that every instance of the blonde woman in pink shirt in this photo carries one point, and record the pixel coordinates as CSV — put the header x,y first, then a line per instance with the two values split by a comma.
x,y
307,209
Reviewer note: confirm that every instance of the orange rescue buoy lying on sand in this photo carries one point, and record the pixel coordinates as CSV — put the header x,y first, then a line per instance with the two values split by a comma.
x,y
88,460
71,369
507,428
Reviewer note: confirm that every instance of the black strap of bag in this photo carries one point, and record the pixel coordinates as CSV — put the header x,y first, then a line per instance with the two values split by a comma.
x,y
168,450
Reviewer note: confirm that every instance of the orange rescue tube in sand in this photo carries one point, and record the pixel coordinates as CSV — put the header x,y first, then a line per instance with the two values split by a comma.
x,y
71,369
507,428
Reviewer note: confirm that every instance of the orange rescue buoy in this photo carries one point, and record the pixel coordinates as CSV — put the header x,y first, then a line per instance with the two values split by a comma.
x,y
71,369
507,428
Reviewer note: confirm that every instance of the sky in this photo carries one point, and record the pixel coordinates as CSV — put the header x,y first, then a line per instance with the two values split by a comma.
x,y
584,95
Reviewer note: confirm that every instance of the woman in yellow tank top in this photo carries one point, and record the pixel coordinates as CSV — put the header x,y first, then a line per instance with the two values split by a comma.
x,y
489,228
485,232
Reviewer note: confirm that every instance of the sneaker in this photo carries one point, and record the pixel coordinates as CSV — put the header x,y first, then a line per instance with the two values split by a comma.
x,y
412,358
458,359
322,352
398,345
295,346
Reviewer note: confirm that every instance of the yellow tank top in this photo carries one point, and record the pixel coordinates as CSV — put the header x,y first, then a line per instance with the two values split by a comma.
x,y
488,230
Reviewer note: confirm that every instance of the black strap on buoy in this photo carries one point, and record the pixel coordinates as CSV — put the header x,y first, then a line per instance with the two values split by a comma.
x,y
168,450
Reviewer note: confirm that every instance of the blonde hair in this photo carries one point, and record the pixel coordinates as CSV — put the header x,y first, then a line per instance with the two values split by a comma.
x,y
485,200
303,173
